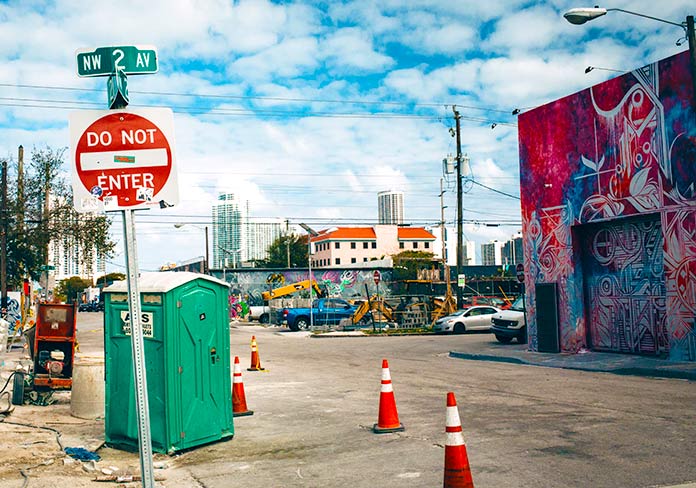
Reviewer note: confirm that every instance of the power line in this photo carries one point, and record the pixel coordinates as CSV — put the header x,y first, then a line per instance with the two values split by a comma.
x,y
494,190
262,98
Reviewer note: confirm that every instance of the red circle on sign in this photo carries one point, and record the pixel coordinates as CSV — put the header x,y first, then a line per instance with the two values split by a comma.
x,y
122,132
376,275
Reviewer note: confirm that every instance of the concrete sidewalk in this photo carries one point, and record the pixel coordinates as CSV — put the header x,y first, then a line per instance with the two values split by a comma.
x,y
624,364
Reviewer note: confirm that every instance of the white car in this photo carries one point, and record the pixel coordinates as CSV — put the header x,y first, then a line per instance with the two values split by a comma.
x,y
477,317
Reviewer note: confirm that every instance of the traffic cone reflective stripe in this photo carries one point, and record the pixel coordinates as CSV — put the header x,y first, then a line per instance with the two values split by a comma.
x,y
255,360
457,470
239,406
388,420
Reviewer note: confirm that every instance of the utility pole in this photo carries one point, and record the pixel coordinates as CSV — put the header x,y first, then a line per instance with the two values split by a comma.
x,y
287,239
20,190
460,221
3,241
45,222
445,268
207,261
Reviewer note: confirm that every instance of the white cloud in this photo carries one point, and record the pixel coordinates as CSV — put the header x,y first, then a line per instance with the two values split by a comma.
x,y
290,58
351,49
535,27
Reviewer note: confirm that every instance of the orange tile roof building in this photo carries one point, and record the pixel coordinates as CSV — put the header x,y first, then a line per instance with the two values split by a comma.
x,y
346,246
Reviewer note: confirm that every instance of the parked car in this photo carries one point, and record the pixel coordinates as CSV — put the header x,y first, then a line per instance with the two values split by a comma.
x,y
472,318
511,324
501,303
325,311
262,313
86,307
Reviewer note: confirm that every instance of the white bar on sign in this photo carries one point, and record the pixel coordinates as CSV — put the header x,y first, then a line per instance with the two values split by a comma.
x,y
140,158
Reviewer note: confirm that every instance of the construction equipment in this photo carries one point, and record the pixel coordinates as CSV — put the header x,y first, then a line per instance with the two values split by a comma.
x,y
52,346
444,306
292,288
379,310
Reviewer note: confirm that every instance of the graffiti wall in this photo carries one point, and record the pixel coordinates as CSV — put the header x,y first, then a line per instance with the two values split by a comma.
x,y
345,283
621,153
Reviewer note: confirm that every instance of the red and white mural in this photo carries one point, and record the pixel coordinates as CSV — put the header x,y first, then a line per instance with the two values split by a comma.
x,y
608,185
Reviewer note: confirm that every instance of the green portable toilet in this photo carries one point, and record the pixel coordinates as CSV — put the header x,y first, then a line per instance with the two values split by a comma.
x,y
187,359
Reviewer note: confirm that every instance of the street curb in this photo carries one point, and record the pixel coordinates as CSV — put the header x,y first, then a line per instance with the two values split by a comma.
x,y
632,371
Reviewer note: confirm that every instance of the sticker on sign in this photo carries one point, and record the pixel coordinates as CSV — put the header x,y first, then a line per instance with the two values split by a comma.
x,y
123,159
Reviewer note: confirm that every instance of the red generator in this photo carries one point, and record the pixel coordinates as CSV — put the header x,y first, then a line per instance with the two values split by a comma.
x,y
54,346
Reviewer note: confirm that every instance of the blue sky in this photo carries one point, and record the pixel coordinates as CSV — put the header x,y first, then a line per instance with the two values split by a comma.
x,y
308,109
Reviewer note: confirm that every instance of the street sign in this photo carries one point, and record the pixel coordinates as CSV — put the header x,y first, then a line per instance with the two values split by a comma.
x,y
47,267
123,159
117,90
519,271
103,61
377,277
461,280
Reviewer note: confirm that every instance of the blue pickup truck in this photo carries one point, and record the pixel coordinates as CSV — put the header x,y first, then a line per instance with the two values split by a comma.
x,y
324,311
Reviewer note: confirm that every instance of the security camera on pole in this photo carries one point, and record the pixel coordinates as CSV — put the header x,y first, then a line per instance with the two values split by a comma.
x,y
123,160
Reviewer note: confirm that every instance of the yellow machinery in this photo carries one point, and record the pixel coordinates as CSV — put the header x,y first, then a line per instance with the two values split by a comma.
x,y
444,306
381,311
292,288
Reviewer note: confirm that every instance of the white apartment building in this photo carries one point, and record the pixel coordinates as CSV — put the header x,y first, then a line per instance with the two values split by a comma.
x,y
69,258
230,219
390,207
346,246
261,233
451,249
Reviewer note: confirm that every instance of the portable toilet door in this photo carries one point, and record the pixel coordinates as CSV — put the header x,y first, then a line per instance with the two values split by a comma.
x,y
204,352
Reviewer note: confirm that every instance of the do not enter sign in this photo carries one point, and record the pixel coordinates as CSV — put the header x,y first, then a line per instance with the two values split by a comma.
x,y
519,271
123,159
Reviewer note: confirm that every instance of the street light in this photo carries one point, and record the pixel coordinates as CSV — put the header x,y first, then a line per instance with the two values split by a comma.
x,y
310,233
579,16
207,262
224,261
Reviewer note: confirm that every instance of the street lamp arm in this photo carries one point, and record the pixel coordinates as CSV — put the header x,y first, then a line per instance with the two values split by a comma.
x,y
682,25
581,15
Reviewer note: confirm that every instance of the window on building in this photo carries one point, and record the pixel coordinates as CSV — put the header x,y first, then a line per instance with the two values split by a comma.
x,y
338,245
338,260
427,245
415,245
364,260
352,245
364,245
353,260
374,245
401,245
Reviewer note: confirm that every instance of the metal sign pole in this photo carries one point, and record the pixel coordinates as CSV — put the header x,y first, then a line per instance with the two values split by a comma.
x,y
137,343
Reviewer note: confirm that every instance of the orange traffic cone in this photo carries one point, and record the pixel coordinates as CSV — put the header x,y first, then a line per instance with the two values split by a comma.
x,y
457,471
239,406
255,360
388,420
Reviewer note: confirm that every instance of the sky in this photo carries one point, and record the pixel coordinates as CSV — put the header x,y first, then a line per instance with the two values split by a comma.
x,y
309,109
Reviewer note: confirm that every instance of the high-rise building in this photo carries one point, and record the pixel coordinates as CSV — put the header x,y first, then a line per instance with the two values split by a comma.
x,y
70,257
512,250
230,219
261,233
492,253
391,207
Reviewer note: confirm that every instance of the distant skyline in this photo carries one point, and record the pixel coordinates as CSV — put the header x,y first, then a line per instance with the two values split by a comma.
x,y
309,109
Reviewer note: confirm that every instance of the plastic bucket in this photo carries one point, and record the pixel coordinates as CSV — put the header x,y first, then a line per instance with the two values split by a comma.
x,y
87,397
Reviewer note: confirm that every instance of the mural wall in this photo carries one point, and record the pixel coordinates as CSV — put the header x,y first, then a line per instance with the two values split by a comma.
x,y
621,153
345,283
